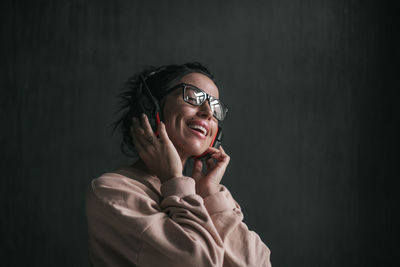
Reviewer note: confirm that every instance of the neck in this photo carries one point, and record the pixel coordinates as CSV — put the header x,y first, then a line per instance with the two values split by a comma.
x,y
183,158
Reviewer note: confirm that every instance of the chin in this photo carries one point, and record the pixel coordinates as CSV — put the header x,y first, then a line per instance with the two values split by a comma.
x,y
198,153
195,149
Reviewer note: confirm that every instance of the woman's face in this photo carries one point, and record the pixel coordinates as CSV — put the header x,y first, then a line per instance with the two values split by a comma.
x,y
181,118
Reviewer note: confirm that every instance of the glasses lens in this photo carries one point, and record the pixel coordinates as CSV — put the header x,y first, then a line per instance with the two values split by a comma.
x,y
218,108
194,96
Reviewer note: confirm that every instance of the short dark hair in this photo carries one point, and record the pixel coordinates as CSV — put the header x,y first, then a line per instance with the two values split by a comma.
x,y
158,80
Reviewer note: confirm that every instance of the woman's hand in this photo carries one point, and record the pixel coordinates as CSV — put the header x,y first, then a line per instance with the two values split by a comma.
x,y
208,183
159,154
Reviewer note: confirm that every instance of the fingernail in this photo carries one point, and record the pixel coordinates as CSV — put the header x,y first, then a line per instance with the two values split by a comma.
x,y
143,115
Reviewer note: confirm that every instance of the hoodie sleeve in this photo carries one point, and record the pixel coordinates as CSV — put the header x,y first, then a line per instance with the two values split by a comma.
x,y
242,246
130,226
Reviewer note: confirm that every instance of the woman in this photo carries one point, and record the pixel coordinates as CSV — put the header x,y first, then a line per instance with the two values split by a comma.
x,y
149,213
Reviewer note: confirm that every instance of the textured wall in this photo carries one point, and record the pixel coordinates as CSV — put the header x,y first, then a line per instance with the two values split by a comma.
x,y
311,128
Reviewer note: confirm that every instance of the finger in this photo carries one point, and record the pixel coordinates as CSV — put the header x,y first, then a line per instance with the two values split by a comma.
x,y
146,126
148,134
210,164
163,133
144,137
220,151
216,155
212,151
223,151
223,160
159,130
136,142
223,157
197,170
137,127
138,132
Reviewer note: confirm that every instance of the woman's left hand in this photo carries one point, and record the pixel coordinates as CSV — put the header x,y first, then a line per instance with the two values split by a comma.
x,y
208,183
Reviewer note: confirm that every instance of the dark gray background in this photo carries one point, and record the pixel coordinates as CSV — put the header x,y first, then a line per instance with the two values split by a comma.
x,y
311,129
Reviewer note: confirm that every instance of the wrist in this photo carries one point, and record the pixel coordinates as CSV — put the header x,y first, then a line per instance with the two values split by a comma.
x,y
209,190
168,177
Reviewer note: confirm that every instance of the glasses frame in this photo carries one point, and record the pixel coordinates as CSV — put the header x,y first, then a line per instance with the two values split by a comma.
x,y
208,98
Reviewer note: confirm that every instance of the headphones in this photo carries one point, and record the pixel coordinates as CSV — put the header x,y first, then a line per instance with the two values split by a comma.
x,y
150,106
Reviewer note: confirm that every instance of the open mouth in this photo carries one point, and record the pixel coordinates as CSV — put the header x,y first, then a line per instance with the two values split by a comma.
x,y
198,128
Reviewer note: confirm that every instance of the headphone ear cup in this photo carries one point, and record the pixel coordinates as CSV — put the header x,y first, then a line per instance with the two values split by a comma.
x,y
216,142
149,105
213,141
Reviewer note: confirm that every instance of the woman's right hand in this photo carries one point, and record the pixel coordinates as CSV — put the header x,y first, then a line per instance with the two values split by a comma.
x,y
159,154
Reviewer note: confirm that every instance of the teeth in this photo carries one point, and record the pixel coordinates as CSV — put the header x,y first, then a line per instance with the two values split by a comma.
x,y
194,126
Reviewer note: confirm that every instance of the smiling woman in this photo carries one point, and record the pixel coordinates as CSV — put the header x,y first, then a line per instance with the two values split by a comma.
x,y
149,213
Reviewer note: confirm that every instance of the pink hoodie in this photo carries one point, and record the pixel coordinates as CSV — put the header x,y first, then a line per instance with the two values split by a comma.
x,y
134,220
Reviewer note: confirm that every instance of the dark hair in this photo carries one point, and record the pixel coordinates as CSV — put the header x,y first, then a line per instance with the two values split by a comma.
x,y
158,80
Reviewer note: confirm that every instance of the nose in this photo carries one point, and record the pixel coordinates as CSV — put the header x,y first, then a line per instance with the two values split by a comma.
x,y
204,111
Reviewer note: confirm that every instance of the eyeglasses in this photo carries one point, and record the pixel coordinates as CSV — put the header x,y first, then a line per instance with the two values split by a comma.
x,y
196,97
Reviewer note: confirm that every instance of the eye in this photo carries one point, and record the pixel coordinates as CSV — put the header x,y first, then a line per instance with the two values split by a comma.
x,y
194,96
